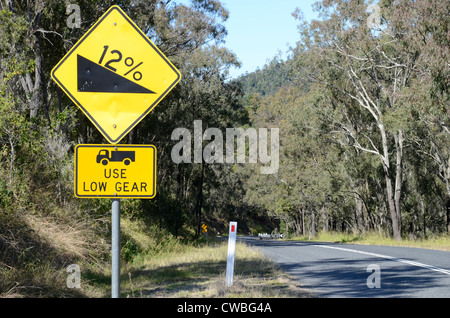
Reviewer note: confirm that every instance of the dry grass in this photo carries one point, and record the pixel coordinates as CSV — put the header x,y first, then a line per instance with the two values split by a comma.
x,y
441,242
200,272
63,238
36,249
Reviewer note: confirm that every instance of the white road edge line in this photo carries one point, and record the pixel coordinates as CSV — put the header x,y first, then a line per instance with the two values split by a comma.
x,y
396,259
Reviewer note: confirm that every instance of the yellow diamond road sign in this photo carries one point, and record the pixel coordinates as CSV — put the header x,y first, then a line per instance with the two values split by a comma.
x,y
110,171
115,74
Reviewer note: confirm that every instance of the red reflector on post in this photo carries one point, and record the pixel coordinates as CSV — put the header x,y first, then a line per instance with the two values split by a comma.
x,y
232,228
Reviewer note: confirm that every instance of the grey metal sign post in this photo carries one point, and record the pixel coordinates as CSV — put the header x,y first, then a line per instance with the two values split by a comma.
x,y
115,249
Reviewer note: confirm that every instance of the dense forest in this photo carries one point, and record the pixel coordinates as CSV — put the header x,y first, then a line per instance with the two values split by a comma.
x,y
362,111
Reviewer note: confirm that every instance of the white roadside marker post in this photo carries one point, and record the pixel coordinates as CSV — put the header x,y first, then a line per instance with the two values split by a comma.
x,y
231,253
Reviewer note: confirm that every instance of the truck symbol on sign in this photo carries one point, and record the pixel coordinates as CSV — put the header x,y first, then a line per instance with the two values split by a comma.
x,y
105,156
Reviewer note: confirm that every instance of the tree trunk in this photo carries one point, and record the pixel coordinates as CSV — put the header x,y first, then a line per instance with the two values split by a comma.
x,y
199,203
36,90
393,193
38,93
398,178
448,214
325,219
160,212
298,221
359,215
303,221
396,226
313,223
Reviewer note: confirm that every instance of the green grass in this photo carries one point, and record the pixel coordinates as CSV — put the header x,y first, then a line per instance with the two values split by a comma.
x,y
436,242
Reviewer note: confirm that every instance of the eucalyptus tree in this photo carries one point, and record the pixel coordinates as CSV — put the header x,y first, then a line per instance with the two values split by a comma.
x,y
369,71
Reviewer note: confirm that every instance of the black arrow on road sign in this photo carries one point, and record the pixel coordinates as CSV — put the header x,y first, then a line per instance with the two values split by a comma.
x,y
93,77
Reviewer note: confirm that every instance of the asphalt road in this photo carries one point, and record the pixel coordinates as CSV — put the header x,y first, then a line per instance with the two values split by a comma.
x,y
352,271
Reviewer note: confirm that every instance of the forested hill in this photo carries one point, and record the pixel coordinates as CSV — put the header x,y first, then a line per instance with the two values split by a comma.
x,y
268,79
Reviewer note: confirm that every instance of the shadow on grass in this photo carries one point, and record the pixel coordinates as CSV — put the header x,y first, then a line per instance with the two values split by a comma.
x,y
349,240
254,276
207,279
162,280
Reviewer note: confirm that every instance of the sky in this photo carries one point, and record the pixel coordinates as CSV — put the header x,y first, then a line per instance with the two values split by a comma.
x,y
258,30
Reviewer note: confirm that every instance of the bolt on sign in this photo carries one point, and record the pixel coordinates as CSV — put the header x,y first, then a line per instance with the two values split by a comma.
x,y
115,171
115,74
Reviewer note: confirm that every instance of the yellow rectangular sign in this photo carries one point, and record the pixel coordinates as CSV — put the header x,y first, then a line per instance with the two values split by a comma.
x,y
115,171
